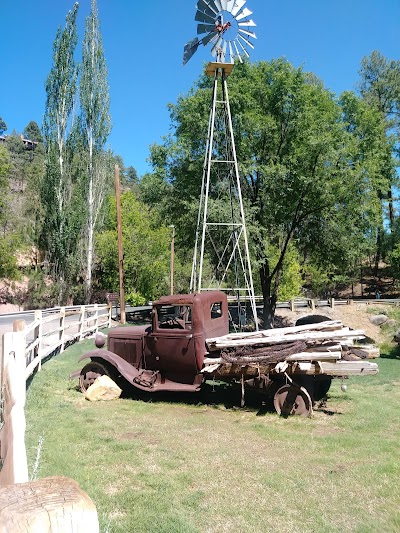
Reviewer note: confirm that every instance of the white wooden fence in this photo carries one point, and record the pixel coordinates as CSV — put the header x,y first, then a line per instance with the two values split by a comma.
x,y
23,352
53,329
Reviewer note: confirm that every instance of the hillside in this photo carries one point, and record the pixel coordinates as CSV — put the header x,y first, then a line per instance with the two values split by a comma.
x,y
356,316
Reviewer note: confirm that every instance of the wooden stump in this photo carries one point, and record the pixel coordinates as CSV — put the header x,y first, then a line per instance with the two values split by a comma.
x,y
49,505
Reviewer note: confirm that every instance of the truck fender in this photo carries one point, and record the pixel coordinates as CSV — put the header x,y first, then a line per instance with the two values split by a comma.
x,y
124,368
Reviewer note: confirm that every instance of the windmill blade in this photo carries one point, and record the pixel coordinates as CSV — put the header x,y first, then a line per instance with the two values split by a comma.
x,y
229,5
218,4
246,41
237,7
245,13
246,53
207,7
205,40
205,28
189,49
237,52
203,17
249,33
247,23
224,4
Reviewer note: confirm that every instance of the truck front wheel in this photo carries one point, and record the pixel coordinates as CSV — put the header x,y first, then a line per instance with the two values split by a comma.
x,y
90,373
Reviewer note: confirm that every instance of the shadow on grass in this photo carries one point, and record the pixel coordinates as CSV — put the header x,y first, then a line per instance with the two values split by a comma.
x,y
218,395
215,395
391,353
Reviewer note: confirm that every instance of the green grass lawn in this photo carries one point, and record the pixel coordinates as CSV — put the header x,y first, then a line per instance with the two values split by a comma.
x,y
202,464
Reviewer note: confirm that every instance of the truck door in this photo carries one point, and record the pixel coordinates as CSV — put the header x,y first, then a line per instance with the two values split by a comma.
x,y
170,347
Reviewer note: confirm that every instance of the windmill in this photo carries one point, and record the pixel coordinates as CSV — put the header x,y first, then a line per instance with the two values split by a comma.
x,y
227,27
221,226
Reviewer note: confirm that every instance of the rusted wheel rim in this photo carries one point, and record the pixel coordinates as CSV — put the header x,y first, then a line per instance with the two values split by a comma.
x,y
292,400
89,374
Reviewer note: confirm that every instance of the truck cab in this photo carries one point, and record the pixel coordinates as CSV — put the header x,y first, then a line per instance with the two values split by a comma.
x,y
169,354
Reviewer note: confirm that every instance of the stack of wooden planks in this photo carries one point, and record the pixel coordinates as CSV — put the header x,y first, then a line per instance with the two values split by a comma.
x,y
324,348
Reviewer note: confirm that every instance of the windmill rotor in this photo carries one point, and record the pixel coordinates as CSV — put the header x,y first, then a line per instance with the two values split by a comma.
x,y
225,24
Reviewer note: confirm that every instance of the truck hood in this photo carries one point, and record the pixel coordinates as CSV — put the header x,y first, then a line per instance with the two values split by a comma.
x,y
130,332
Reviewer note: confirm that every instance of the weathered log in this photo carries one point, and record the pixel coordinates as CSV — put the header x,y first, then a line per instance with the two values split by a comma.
x,y
315,356
302,356
346,368
311,368
321,326
55,504
344,333
367,351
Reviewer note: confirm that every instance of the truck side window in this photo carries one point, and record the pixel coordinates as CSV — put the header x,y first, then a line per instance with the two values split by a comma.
x,y
174,317
216,310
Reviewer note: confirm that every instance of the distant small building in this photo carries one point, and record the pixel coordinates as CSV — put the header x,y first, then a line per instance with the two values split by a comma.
x,y
29,145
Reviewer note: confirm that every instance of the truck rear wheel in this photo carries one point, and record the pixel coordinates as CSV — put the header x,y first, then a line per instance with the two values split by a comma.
x,y
90,373
321,388
292,400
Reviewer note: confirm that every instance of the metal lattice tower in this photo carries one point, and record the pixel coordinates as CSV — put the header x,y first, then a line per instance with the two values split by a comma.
x,y
221,234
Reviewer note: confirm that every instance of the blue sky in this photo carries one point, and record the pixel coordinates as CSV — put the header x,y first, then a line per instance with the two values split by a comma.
x,y
143,43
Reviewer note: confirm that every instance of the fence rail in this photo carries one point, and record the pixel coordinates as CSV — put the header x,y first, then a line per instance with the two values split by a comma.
x,y
23,351
312,303
51,330
299,303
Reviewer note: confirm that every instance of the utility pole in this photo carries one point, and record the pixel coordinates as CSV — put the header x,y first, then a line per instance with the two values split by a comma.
x,y
120,251
172,258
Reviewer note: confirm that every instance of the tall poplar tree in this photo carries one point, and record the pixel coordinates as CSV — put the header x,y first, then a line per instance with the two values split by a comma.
x,y
58,238
380,89
95,124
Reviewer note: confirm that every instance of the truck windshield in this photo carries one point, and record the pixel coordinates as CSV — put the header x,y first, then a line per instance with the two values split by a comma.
x,y
174,316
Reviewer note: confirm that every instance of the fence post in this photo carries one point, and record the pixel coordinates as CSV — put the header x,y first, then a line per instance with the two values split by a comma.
x,y
333,303
13,451
292,305
19,327
96,318
61,334
38,335
109,314
2,385
81,322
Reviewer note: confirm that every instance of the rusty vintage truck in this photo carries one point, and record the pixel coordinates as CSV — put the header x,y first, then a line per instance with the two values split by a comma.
x,y
188,343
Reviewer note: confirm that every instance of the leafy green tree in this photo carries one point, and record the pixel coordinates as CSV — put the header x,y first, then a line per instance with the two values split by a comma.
x,y
95,124
3,126
292,150
5,165
128,175
371,158
8,264
25,177
59,235
19,157
380,88
146,251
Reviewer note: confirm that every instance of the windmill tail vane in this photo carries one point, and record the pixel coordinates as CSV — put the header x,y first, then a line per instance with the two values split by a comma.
x,y
226,26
